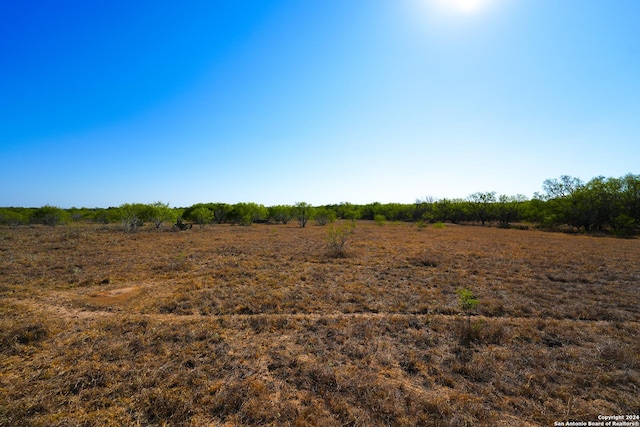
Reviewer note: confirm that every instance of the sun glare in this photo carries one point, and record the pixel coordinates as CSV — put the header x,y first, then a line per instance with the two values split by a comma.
x,y
463,6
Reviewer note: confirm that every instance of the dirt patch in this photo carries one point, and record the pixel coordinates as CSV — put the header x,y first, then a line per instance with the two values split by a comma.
x,y
112,298
115,294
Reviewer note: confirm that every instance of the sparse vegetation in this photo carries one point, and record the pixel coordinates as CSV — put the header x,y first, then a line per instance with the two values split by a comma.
x,y
468,303
247,326
262,326
338,236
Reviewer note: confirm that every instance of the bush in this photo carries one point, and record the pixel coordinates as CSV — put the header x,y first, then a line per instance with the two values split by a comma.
x,y
50,215
338,237
133,216
303,212
323,216
281,213
160,212
13,217
468,302
201,215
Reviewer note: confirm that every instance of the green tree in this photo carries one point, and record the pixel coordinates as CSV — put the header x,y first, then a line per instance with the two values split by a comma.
x,y
482,205
220,212
14,216
201,215
323,215
303,211
281,213
630,188
562,187
160,212
133,216
347,210
248,213
509,209
50,215
338,236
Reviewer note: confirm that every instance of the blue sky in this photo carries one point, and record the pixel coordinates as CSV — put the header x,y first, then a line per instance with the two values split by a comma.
x,y
324,101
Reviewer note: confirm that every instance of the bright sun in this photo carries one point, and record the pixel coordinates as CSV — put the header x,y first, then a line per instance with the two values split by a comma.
x,y
463,6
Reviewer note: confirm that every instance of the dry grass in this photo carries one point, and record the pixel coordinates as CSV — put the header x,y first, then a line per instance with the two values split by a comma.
x,y
262,325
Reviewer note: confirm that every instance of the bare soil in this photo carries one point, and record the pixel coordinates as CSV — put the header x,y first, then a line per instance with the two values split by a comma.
x,y
262,325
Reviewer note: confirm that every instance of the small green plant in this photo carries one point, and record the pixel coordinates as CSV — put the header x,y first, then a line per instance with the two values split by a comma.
x,y
179,262
421,224
338,237
468,302
379,219
438,225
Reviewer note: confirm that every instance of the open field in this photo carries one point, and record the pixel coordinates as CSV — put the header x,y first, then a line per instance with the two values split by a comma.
x,y
231,325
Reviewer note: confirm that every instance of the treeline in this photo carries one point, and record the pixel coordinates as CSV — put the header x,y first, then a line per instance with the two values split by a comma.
x,y
603,204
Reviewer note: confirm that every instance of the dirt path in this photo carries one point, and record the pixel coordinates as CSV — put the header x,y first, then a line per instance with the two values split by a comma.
x,y
115,302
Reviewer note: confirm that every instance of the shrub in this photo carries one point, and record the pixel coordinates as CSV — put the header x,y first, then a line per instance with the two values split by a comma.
x,y
468,302
201,215
160,212
303,212
379,219
338,237
50,215
134,215
281,213
323,216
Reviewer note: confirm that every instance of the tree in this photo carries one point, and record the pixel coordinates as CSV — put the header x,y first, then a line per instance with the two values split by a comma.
x,y
338,237
631,191
13,216
248,213
563,187
201,215
259,213
347,210
303,211
323,216
50,215
508,209
133,215
220,212
482,205
160,212
281,213
424,209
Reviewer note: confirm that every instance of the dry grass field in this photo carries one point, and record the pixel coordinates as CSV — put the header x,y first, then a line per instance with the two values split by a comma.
x,y
261,325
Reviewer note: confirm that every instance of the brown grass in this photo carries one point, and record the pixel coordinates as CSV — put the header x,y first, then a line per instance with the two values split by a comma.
x,y
262,325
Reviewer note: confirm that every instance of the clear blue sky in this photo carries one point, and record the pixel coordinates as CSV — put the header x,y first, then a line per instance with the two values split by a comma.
x,y
324,101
